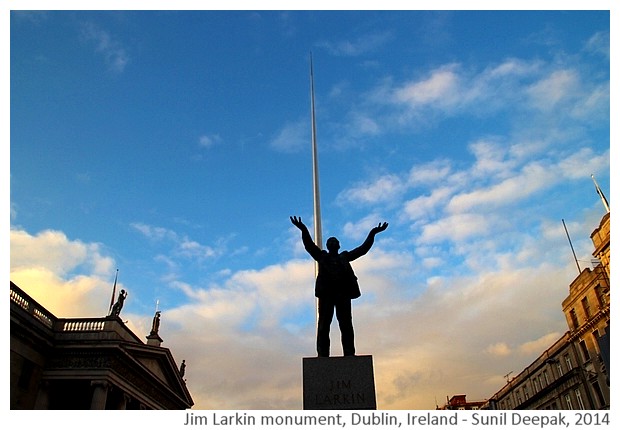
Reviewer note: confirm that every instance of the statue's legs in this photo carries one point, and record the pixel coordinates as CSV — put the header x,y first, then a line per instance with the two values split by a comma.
x,y
345,321
326,314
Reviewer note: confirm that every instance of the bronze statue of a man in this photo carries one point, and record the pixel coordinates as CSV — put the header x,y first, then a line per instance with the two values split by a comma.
x,y
336,285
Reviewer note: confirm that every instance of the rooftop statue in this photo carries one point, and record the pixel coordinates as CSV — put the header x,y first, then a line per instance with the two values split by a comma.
x,y
155,325
116,309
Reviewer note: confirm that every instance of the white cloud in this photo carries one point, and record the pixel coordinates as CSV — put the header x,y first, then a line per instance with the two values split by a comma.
x,y
499,349
583,163
70,278
182,246
382,189
491,158
599,43
359,230
514,86
363,125
52,250
536,346
511,67
292,137
456,227
440,88
531,179
449,88
430,173
551,90
114,54
209,140
594,105
359,46
156,233
424,207
191,248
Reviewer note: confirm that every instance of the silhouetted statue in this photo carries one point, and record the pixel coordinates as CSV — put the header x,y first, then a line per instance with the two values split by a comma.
x,y
336,285
116,309
155,326
182,369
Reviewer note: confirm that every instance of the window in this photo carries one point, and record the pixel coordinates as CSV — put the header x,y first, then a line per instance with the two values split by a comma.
x,y
536,386
569,403
526,393
579,399
560,370
546,376
600,295
569,363
584,350
586,307
573,318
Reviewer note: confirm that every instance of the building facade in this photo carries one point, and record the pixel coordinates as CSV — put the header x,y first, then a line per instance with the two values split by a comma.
x,y
87,363
573,373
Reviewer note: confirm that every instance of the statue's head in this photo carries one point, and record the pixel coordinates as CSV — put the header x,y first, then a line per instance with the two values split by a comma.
x,y
332,244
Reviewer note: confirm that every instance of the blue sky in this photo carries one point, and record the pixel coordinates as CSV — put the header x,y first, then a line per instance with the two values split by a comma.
x,y
174,146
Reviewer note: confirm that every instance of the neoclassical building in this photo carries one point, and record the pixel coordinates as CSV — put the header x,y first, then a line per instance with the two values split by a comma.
x,y
88,363
573,373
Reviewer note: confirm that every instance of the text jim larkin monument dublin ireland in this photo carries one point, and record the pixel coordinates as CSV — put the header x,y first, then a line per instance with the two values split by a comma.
x,y
338,382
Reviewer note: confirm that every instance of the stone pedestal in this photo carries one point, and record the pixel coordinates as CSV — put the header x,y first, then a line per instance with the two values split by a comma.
x,y
339,383
153,339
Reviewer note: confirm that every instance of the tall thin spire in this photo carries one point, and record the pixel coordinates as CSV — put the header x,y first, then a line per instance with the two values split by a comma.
x,y
318,231
600,193
113,292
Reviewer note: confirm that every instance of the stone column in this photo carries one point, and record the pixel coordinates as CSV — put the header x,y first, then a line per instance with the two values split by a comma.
x,y
125,399
42,399
100,394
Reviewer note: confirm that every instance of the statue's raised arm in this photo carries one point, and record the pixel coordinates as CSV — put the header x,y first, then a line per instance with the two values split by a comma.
x,y
370,239
309,245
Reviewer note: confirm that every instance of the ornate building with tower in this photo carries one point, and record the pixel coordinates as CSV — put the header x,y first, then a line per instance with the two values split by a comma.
x,y
573,373
88,363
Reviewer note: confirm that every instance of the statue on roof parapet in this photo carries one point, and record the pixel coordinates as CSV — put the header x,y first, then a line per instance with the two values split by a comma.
x,y
116,309
155,326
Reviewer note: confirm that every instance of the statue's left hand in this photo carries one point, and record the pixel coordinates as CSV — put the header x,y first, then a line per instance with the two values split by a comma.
x,y
378,229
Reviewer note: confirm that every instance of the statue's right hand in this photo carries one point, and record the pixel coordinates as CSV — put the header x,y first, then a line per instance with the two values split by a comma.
x,y
297,222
